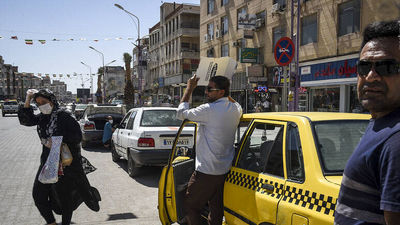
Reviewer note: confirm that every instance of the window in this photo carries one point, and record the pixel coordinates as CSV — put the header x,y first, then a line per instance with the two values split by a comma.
x,y
278,33
224,2
224,25
309,29
349,17
282,3
224,50
210,6
337,140
157,118
210,30
131,120
125,120
261,15
241,13
294,155
262,151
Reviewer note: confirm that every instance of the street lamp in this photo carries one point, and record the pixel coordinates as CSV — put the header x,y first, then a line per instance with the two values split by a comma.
x,y
104,70
138,45
91,78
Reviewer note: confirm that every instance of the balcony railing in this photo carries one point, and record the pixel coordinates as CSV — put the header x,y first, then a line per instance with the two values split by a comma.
x,y
190,54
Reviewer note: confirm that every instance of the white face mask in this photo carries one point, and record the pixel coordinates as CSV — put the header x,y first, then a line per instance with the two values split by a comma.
x,y
46,108
111,121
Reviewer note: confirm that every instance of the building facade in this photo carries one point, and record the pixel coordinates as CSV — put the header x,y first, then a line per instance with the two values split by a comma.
x,y
330,35
174,51
114,81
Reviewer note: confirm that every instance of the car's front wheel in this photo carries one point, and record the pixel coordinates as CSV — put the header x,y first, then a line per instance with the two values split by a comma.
x,y
133,169
114,154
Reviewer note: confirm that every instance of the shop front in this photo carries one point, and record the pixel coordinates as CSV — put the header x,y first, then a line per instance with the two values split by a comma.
x,y
329,85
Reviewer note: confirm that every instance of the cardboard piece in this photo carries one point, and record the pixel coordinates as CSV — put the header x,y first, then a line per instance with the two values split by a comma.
x,y
209,67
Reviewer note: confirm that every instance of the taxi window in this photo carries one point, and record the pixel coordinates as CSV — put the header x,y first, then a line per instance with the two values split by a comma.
x,y
336,141
258,147
294,155
125,120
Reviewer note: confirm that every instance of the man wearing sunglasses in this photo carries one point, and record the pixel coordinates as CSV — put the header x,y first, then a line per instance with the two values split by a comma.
x,y
217,121
370,189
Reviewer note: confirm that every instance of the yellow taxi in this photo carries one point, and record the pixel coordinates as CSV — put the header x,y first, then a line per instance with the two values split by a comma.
x,y
287,169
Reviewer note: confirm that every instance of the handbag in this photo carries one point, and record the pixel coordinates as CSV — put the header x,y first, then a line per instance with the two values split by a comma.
x,y
49,172
66,156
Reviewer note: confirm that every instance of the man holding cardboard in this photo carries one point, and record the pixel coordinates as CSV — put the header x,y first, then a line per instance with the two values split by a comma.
x,y
218,120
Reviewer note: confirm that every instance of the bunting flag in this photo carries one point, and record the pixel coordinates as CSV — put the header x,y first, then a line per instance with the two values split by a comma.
x,y
54,75
29,41
39,74
68,75
61,75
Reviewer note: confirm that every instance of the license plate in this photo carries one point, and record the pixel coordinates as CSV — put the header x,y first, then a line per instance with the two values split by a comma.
x,y
180,141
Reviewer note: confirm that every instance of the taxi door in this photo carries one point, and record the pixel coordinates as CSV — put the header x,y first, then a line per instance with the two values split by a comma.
x,y
175,177
255,184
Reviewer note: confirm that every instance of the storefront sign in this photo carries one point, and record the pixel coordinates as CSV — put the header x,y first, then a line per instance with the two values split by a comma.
x,y
161,82
257,79
331,70
255,70
249,55
247,21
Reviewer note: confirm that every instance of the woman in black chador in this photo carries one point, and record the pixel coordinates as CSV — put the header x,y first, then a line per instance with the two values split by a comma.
x,y
72,187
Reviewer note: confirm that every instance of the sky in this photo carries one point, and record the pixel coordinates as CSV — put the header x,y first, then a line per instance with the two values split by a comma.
x,y
81,20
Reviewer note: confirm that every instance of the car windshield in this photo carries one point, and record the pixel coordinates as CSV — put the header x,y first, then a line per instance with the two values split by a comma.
x,y
10,103
336,141
159,118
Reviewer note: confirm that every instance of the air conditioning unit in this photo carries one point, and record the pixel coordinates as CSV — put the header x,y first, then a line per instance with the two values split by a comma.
x,y
236,44
277,9
206,38
217,34
260,22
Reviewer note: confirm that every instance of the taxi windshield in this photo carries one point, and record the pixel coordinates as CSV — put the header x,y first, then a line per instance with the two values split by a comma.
x,y
336,141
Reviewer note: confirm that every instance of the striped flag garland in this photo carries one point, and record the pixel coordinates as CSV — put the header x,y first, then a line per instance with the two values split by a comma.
x,y
96,40
14,37
28,42
1,37
42,42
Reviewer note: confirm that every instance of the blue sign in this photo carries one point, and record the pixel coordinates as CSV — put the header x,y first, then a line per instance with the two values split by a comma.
x,y
284,51
330,70
161,82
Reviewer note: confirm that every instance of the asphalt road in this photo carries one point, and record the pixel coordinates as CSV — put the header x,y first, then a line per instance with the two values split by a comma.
x,y
124,200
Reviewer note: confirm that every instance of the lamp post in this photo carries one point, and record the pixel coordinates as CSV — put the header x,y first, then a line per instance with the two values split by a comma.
x,y
104,71
91,78
138,46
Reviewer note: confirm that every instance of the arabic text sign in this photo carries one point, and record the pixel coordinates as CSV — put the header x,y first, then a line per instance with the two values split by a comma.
x,y
330,70
209,67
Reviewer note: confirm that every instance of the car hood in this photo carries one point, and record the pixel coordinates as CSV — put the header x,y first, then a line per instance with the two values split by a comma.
x,y
334,179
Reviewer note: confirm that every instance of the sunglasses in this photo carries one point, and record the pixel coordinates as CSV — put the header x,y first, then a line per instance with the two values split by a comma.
x,y
210,89
382,68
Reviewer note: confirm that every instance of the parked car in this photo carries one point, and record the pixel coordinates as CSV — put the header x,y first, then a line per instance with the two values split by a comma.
x,y
287,169
94,118
79,109
10,107
145,136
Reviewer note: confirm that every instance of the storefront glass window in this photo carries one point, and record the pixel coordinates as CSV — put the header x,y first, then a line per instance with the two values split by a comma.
x,y
355,105
325,99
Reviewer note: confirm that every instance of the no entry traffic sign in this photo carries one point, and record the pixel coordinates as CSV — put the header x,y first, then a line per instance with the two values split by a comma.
x,y
284,51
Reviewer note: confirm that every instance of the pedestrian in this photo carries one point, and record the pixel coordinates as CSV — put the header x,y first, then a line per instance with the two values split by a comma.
x,y
370,189
107,131
72,187
218,121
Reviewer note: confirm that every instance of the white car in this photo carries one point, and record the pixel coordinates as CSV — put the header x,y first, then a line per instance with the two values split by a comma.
x,y
145,137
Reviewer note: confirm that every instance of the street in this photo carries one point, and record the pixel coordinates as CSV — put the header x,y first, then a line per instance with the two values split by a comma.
x,y
124,200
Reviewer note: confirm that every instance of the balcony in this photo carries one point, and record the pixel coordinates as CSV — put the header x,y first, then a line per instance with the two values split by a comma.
x,y
189,32
190,54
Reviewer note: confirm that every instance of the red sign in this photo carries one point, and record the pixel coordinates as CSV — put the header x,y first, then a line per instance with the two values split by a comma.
x,y
284,51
